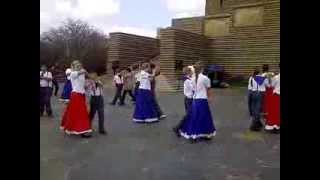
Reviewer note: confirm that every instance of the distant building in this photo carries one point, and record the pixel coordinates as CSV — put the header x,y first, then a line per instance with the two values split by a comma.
x,y
237,34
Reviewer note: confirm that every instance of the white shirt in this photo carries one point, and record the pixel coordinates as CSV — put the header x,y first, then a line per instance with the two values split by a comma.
x,y
78,82
276,84
188,88
254,86
93,89
137,76
203,83
68,71
117,79
43,82
145,81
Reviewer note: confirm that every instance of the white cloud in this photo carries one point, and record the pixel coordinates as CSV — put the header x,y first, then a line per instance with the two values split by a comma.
x,y
88,8
53,12
133,30
186,8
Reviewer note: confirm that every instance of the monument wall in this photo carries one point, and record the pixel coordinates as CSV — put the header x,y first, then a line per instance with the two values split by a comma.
x,y
127,49
179,48
248,36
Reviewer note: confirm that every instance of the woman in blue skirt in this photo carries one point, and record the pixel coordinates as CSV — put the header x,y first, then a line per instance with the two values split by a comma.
x,y
65,96
145,111
199,122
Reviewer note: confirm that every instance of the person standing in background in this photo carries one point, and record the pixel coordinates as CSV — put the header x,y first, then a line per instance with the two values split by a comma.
x,y
45,91
118,83
54,71
128,81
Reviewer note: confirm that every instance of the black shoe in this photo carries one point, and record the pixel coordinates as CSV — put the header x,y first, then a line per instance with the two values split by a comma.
x,y
176,131
192,141
103,132
112,103
276,131
86,135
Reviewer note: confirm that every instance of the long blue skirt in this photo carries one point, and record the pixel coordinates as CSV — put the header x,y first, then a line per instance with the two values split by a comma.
x,y
199,122
66,90
145,110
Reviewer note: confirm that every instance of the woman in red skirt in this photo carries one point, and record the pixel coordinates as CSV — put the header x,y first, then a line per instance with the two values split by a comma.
x,y
273,116
269,91
76,117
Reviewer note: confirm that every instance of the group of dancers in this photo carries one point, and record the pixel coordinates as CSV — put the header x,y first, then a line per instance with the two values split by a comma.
x,y
197,123
264,100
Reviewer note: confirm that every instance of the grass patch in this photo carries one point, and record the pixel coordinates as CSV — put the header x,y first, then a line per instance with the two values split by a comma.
x,y
250,136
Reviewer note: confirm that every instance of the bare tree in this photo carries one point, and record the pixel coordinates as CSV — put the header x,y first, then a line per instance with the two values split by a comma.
x,y
74,39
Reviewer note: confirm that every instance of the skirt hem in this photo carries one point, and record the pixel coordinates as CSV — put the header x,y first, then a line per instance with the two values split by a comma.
x,y
195,136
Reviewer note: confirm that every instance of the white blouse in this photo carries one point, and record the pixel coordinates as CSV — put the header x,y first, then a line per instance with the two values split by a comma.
x,y
77,82
203,83
68,72
145,81
188,88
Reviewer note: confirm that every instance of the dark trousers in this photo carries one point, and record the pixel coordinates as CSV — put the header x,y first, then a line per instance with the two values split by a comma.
x,y
56,86
157,106
187,106
123,97
45,104
255,105
249,103
97,105
118,93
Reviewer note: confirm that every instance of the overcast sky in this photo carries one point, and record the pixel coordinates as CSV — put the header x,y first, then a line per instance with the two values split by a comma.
x,y
141,17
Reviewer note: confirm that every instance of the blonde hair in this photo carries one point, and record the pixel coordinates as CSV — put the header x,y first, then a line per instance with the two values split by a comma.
x,y
186,70
145,66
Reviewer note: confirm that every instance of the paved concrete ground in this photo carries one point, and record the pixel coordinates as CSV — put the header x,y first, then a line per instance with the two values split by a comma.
x,y
153,152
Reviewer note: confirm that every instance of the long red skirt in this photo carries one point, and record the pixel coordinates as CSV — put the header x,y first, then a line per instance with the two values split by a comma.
x,y
273,116
267,101
75,119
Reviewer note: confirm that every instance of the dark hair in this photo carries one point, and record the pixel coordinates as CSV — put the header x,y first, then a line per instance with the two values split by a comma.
x,y
152,66
128,69
256,72
198,67
265,68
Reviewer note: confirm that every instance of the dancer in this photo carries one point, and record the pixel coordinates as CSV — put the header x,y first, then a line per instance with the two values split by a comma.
x,y
75,119
257,85
96,101
273,116
266,105
45,91
127,86
145,110
65,96
118,82
156,72
137,80
199,122
188,90
54,71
